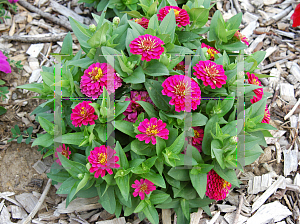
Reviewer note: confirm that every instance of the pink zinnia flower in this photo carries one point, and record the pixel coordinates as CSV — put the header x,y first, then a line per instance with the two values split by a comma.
x,y
83,114
180,88
296,16
266,118
198,138
142,187
142,21
13,1
210,50
216,188
252,79
210,73
152,129
95,78
241,37
4,65
103,159
64,151
181,15
134,109
150,47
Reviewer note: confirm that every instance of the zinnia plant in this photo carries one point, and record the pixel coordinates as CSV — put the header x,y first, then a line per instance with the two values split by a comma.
x,y
150,109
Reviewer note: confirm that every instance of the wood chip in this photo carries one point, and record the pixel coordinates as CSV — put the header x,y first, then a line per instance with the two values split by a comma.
x,y
280,183
34,50
17,212
287,92
226,208
114,221
266,213
196,216
290,161
5,216
39,166
229,217
79,205
166,216
28,201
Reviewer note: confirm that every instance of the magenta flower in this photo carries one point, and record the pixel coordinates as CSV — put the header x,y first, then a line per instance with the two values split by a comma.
x,y
142,187
216,188
210,73
238,35
134,109
95,78
252,79
210,50
12,1
198,138
181,88
4,65
181,15
102,159
266,118
64,151
296,16
142,21
83,114
152,129
150,47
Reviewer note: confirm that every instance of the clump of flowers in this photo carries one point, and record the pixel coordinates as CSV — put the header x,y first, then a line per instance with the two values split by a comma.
x,y
210,73
216,188
150,47
102,159
152,129
210,50
252,79
142,21
181,15
134,109
238,35
142,187
96,77
184,91
83,114
64,151
5,67
266,118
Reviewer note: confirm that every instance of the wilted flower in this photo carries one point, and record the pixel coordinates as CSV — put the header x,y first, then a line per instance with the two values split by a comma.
x,y
152,129
150,47
64,151
180,88
181,15
216,188
252,79
142,187
95,78
180,66
296,16
198,138
210,50
83,114
102,159
142,21
241,37
266,118
4,65
134,109
210,73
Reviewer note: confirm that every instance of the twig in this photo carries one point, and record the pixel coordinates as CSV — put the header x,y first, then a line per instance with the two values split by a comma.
x,y
46,15
237,215
292,111
237,6
40,202
36,38
279,15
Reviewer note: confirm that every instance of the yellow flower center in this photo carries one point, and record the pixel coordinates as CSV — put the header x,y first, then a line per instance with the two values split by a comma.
x,y
226,184
65,153
176,12
137,20
267,114
83,111
143,187
152,130
102,158
180,89
196,133
147,44
255,82
211,52
96,74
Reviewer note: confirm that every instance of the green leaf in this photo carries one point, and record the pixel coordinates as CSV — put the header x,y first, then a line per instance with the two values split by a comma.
x,y
133,14
234,22
155,68
99,37
199,182
185,36
2,110
174,204
140,206
44,140
121,107
227,174
198,119
199,16
152,9
126,127
168,25
141,148
233,128
82,32
66,186
136,27
217,152
151,214
82,63
160,145
185,191
185,208
122,156
131,35
19,139
155,178
71,138
67,45
46,125
177,145
73,168
34,87
153,23
138,76
200,203
158,197
148,107
179,173
154,89
107,200
233,46
59,177
17,129
123,184
207,138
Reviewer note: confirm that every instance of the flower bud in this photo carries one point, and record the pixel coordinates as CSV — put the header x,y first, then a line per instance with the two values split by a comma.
x,y
80,176
233,140
88,166
116,20
92,28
